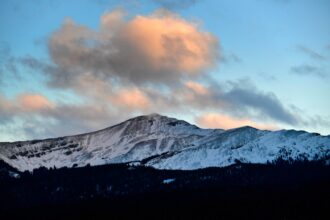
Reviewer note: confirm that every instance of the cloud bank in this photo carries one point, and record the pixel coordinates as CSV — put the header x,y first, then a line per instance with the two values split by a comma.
x,y
159,48
131,66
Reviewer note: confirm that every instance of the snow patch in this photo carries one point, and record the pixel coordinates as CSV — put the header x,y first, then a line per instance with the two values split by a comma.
x,y
168,181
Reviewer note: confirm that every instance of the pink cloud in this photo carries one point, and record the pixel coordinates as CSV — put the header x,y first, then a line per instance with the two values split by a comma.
x,y
170,42
214,120
131,98
33,102
197,88
161,47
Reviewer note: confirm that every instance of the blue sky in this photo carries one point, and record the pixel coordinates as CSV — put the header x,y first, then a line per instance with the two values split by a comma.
x,y
272,50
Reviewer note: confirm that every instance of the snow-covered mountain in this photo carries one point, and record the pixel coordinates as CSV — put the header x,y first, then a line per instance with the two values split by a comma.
x,y
166,143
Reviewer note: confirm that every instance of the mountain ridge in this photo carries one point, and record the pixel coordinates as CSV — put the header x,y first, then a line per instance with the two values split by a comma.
x,y
189,146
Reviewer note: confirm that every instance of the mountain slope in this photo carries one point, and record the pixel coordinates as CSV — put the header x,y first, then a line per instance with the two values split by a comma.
x,y
249,145
132,140
165,143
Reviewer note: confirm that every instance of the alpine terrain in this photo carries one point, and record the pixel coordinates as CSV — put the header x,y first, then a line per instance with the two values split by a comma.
x,y
166,143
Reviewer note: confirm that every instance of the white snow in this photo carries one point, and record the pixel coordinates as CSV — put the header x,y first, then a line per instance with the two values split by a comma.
x,y
186,146
14,175
167,181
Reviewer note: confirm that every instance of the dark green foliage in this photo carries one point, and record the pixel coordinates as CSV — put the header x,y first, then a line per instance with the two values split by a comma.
x,y
282,190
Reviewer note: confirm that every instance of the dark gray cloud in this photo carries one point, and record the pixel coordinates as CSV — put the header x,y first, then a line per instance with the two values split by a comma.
x,y
242,99
318,121
59,77
307,120
305,70
239,99
245,97
311,53
236,98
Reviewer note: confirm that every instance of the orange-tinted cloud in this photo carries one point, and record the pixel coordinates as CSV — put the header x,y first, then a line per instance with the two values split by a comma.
x,y
170,42
213,120
197,88
161,47
33,102
131,98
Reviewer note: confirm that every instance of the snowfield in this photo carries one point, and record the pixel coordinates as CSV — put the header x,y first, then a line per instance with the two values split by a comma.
x,y
166,143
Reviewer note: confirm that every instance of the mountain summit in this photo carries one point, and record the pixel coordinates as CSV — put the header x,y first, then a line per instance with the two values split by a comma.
x,y
166,143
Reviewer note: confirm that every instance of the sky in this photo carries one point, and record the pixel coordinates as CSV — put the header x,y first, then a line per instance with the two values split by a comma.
x,y
68,67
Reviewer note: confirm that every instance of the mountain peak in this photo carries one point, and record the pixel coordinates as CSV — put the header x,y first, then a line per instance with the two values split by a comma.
x,y
152,115
148,117
158,123
172,143
244,128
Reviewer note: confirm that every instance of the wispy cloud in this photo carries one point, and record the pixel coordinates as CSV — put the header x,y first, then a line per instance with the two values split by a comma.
x,y
8,68
229,58
311,53
306,69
